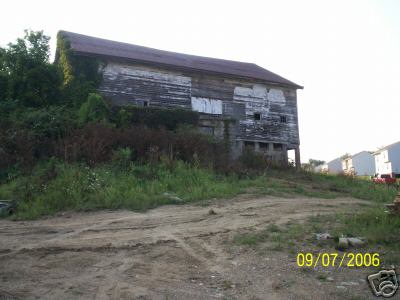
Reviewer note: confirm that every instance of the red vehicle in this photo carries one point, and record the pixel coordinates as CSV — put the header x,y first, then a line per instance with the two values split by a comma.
x,y
384,178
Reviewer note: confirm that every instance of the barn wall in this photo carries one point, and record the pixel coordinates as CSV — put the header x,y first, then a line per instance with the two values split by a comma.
x,y
125,84
218,97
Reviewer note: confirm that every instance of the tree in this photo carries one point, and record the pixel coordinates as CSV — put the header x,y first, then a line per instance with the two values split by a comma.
x,y
312,164
345,156
26,75
315,162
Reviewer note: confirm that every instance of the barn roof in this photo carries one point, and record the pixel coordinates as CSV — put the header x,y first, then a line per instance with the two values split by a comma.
x,y
88,45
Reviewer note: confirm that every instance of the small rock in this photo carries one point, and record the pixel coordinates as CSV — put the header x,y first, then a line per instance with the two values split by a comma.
x,y
329,279
323,236
211,212
355,242
350,283
340,287
175,198
172,197
343,244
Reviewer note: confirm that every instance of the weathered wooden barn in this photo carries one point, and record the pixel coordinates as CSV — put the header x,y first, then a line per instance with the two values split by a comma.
x,y
242,102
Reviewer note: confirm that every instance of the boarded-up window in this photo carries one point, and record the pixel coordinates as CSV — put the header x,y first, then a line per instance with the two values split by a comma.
x,y
277,96
207,130
206,105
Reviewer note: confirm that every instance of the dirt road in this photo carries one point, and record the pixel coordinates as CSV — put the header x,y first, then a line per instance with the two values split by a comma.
x,y
171,252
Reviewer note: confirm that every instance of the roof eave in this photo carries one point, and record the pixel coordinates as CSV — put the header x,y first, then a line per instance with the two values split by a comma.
x,y
291,85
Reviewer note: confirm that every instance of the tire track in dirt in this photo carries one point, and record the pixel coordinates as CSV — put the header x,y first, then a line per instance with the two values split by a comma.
x,y
175,250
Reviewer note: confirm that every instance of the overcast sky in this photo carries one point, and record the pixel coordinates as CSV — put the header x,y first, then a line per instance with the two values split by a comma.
x,y
346,54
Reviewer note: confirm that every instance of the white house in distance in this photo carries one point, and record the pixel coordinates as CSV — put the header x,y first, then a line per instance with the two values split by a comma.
x,y
387,160
360,164
335,166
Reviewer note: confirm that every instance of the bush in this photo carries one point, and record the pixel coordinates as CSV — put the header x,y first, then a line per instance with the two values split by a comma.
x,y
95,110
19,146
29,134
252,160
154,117
92,144
122,118
95,144
122,158
49,122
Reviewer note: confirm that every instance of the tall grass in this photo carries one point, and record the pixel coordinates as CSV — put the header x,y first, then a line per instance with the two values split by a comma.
x,y
56,186
78,187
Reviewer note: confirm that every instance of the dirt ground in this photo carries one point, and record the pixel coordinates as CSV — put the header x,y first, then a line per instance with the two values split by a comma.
x,y
171,252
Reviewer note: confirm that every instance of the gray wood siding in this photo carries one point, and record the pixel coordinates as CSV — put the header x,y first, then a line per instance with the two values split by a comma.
x,y
214,88
270,126
128,85
241,99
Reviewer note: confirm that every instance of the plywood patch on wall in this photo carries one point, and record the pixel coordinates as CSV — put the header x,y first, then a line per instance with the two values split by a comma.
x,y
207,105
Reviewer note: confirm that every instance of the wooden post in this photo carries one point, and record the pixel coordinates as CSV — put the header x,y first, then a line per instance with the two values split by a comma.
x,y
285,162
297,157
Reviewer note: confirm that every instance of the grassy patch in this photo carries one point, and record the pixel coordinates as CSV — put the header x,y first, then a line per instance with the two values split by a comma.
x,y
251,239
368,221
54,186
372,223
380,229
77,187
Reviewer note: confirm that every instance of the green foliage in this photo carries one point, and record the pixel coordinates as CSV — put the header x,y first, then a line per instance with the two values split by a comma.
x,y
122,158
123,118
55,186
95,110
345,156
328,186
154,117
80,74
251,238
315,162
379,228
26,74
312,164
139,187
28,134
252,160
52,121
